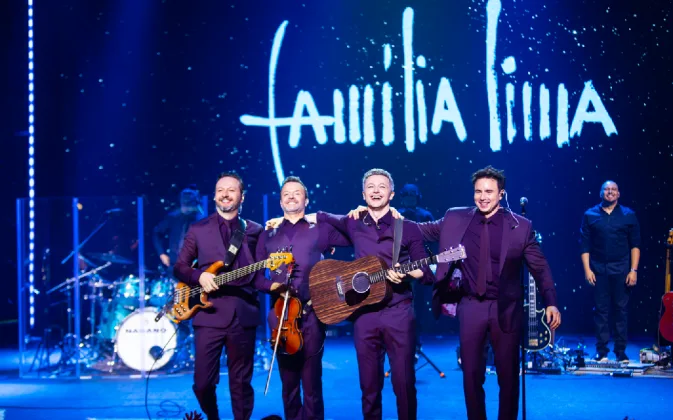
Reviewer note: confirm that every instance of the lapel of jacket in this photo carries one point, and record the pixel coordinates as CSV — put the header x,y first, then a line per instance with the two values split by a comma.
x,y
508,227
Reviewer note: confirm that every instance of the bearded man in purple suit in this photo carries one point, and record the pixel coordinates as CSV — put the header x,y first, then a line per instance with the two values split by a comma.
x,y
300,372
496,242
232,320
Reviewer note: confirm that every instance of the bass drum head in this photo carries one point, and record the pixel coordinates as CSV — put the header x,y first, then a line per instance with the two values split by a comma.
x,y
139,340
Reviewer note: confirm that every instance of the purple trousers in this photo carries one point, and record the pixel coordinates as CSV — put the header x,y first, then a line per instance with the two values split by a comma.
x,y
391,330
302,372
477,318
240,347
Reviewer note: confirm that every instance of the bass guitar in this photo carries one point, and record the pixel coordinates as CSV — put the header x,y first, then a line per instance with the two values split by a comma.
x,y
188,300
666,321
339,289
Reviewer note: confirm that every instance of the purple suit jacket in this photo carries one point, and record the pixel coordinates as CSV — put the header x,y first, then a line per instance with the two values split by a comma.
x,y
203,242
518,246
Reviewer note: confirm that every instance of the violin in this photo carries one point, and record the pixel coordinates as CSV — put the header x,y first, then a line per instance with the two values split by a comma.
x,y
287,334
288,313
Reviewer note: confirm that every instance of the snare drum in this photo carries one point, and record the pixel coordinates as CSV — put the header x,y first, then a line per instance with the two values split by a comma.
x,y
140,340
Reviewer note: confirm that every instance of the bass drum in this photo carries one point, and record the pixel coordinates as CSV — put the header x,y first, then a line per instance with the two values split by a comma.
x,y
140,340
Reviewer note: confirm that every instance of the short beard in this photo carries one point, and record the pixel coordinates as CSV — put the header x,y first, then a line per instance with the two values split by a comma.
x,y
298,210
229,209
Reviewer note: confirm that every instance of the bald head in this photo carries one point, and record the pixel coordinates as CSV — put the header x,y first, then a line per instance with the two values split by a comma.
x,y
609,192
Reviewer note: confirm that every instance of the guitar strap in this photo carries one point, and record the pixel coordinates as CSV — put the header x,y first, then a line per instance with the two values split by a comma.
x,y
235,244
397,240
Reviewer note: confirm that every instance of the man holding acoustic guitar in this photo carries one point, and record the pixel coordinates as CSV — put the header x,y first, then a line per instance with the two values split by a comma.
x,y
389,326
300,365
230,313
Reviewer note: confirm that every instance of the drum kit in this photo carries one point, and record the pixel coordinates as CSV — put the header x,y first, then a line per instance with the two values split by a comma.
x,y
121,331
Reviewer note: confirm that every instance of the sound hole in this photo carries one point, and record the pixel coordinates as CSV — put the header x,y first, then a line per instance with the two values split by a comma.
x,y
360,282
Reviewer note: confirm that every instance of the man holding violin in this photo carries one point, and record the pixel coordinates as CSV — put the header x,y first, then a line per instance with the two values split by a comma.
x,y
299,362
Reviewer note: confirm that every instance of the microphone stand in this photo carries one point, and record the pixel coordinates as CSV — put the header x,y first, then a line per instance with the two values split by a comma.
x,y
81,244
522,275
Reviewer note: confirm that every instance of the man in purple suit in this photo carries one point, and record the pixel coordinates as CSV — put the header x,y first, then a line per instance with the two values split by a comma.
x,y
496,242
389,327
232,320
301,371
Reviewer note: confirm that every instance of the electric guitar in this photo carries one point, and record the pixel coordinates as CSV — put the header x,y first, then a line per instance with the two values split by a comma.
x,y
339,289
538,335
188,300
666,321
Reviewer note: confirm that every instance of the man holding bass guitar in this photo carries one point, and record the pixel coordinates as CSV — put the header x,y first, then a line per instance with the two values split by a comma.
x,y
232,319
308,242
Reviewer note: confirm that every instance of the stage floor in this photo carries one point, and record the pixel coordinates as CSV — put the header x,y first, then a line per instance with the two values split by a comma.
x,y
567,396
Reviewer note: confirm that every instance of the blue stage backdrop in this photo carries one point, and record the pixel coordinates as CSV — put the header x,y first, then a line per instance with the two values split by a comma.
x,y
145,97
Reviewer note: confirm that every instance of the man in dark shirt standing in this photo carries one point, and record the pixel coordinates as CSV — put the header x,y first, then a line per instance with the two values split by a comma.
x,y
389,327
610,255
496,242
175,226
301,371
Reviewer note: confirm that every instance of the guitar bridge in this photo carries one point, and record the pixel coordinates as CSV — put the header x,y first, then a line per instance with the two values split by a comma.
x,y
340,289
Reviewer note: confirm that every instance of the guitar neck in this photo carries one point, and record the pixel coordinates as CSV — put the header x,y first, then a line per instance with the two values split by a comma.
x,y
380,276
230,276
532,303
667,284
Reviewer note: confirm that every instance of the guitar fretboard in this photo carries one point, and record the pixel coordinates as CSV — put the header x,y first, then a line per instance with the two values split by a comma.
x,y
532,304
380,276
224,278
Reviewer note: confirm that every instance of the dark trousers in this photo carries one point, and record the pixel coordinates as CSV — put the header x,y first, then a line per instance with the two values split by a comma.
x,y
240,347
302,372
390,330
611,292
477,318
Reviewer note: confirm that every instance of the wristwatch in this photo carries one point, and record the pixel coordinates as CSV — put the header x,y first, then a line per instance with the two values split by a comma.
x,y
634,270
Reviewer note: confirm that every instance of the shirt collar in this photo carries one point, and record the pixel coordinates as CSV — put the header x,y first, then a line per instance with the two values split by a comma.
x,y
386,219
286,222
495,220
230,224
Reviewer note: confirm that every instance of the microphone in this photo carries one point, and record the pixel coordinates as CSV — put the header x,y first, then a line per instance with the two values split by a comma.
x,y
161,313
156,352
523,201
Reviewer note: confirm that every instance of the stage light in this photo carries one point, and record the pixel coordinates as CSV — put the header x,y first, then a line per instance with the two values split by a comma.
x,y
31,165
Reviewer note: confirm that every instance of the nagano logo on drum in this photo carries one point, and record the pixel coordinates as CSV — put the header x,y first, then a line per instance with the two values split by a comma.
x,y
145,330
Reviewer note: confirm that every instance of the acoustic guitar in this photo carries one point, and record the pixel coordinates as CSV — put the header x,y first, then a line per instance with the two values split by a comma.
x,y
666,321
188,300
340,289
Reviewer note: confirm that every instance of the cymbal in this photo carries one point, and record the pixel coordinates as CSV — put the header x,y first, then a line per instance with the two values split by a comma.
x,y
113,258
86,260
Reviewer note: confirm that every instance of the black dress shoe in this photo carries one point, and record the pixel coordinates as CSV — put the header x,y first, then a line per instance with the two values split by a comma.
x,y
601,357
622,357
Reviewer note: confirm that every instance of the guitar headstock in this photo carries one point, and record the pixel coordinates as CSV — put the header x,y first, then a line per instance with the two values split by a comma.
x,y
452,254
277,259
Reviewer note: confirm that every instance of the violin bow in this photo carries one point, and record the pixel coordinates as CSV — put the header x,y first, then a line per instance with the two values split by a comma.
x,y
288,271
